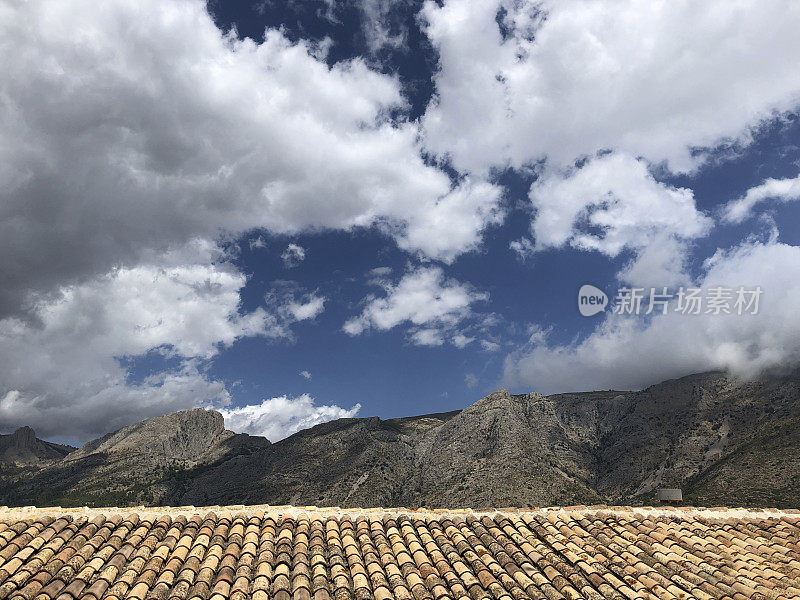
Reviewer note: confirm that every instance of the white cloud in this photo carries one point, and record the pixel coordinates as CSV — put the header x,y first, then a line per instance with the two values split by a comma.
x,y
293,256
663,262
134,135
305,374
103,402
65,372
455,223
783,190
287,301
462,341
377,25
427,337
380,272
423,299
470,380
280,417
610,204
308,309
625,352
594,96
258,242
569,78
523,248
537,334
490,346
61,371
131,128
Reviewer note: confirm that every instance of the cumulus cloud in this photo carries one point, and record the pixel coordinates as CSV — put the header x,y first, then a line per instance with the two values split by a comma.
x,y
280,417
524,81
782,190
462,341
471,380
64,370
610,204
380,29
454,223
287,299
129,128
626,352
105,402
305,374
431,304
490,346
663,262
61,371
293,256
308,309
134,138
427,337
596,96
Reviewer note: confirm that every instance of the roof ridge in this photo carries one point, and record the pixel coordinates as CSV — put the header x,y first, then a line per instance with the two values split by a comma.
x,y
717,512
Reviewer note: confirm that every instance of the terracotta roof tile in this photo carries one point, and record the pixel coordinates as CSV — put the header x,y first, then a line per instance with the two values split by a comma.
x,y
287,553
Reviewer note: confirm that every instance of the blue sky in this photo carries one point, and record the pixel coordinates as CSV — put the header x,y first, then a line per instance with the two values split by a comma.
x,y
297,211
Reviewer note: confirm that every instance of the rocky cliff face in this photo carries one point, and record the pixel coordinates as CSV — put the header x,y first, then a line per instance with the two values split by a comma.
x,y
133,465
721,441
23,448
504,450
710,435
184,437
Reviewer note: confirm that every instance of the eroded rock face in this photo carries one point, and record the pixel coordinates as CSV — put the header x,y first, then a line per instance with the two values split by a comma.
x,y
504,450
23,448
184,436
137,464
720,440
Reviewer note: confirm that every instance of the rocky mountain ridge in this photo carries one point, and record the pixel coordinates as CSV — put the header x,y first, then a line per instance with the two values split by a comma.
x,y
23,448
720,440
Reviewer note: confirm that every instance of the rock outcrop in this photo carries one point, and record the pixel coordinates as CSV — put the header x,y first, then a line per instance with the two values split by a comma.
x,y
720,440
184,437
23,448
137,464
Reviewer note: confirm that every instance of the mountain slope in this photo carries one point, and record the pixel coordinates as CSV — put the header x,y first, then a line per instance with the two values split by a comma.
x,y
23,448
678,432
521,450
720,440
128,466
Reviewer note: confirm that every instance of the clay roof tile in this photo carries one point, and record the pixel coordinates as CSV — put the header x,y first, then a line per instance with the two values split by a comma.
x,y
332,554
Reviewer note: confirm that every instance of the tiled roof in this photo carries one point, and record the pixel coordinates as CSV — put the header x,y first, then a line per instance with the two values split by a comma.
x,y
290,553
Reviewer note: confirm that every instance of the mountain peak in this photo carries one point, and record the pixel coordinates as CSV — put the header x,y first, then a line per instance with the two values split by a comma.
x,y
503,399
719,440
185,435
24,436
23,447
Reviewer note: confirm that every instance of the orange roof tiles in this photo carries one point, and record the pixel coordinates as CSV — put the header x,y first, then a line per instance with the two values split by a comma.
x,y
290,553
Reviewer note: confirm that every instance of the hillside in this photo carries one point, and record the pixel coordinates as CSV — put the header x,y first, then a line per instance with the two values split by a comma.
x,y
23,448
722,441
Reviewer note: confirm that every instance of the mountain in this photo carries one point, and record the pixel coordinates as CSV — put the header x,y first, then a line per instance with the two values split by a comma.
x,y
133,465
722,441
23,448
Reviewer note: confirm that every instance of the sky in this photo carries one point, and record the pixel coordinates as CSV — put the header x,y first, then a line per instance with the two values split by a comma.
x,y
293,211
